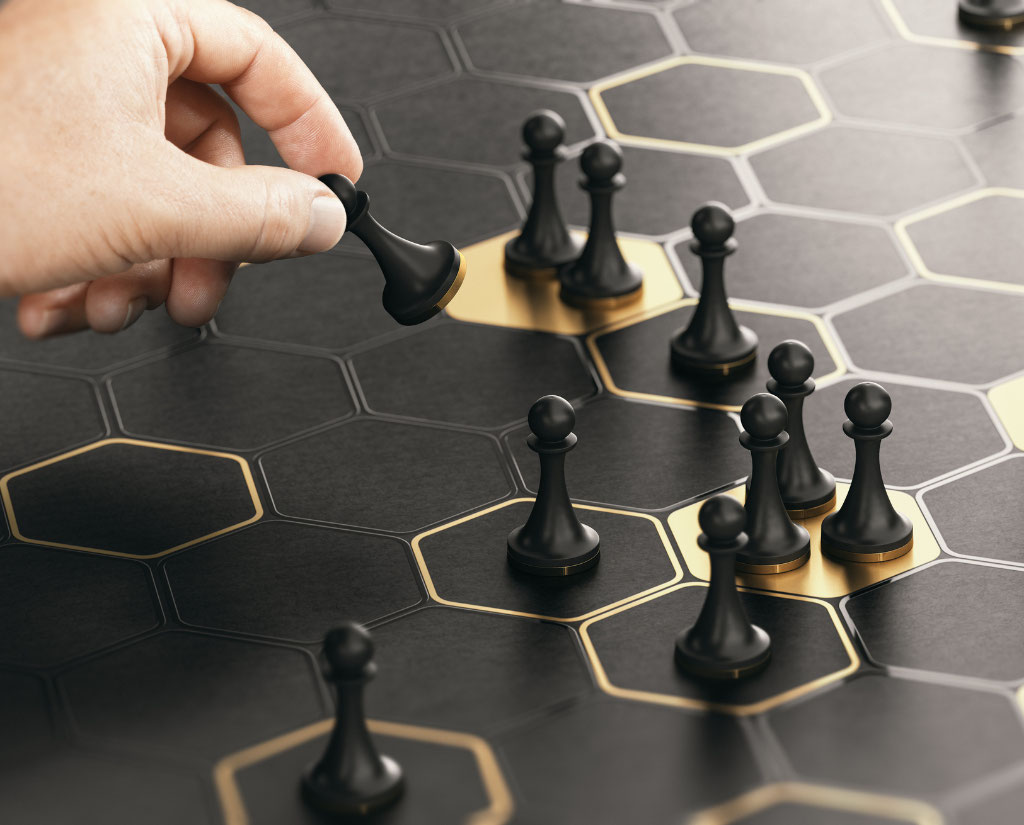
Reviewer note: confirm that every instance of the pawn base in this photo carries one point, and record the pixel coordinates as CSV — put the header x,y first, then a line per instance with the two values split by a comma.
x,y
783,559
413,309
769,568
601,304
1003,14
898,544
746,659
805,511
380,792
719,366
524,266
577,292
582,553
866,557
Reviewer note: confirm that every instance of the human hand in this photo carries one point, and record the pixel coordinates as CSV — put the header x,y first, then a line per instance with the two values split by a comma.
x,y
122,178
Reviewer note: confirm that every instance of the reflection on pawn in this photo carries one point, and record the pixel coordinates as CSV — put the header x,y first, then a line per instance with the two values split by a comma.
x,y
713,346
545,244
420,279
601,278
351,778
807,490
553,542
722,643
775,544
867,527
992,14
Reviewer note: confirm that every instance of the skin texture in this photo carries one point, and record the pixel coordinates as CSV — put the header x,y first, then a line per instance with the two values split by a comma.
x,y
124,182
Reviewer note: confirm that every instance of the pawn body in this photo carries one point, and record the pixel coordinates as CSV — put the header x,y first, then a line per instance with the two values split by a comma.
x,y
722,643
553,542
867,528
992,14
713,346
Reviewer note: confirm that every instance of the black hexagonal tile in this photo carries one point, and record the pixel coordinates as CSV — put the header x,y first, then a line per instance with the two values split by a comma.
x,y
467,564
130,498
663,190
25,717
852,169
996,150
920,447
905,749
231,397
440,10
951,617
604,41
386,475
642,455
923,17
194,695
805,262
342,70
638,360
570,766
779,31
921,331
90,602
971,513
260,150
448,374
291,581
490,129
46,414
710,105
1001,807
472,671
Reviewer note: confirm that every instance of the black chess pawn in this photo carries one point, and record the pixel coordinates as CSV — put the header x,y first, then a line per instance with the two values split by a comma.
x,y
545,244
351,778
807,490
601,278
420,279
553,542
713,346
991,14
867,527
722,643
775,544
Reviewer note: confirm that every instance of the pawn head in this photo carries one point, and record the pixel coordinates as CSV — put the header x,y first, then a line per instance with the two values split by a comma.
x,y
601,161
791,363
722,519
345,190
764,416
544,131
712,224
551,418
867,405
348,648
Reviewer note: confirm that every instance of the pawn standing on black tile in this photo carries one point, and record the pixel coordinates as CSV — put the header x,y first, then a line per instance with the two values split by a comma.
x,y
713,346
775,543
351,778
545,244
553,542
601,278
722,643
867,527
807,490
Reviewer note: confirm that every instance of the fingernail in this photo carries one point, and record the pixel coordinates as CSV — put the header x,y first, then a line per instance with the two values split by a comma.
x,y
327,222
135,310
51,322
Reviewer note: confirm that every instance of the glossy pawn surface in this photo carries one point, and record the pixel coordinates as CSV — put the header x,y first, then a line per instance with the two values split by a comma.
x,y
713,346
867,528
722,643
991,14
601,278
544,245
775,544
807,490
351,778
419,279
553,542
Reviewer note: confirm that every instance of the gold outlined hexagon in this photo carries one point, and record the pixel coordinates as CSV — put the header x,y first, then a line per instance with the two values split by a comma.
x,y
1007,399
432,590
749,709
490,296
895,808
815,95
609,382
821,576
242,463
498,811
903,235
905,32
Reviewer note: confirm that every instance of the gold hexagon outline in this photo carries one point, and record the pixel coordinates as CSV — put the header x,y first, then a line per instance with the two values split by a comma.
x,y
421,563
902,229
5,493
653,697
498,812
904,31
820,796
840,370
810,87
